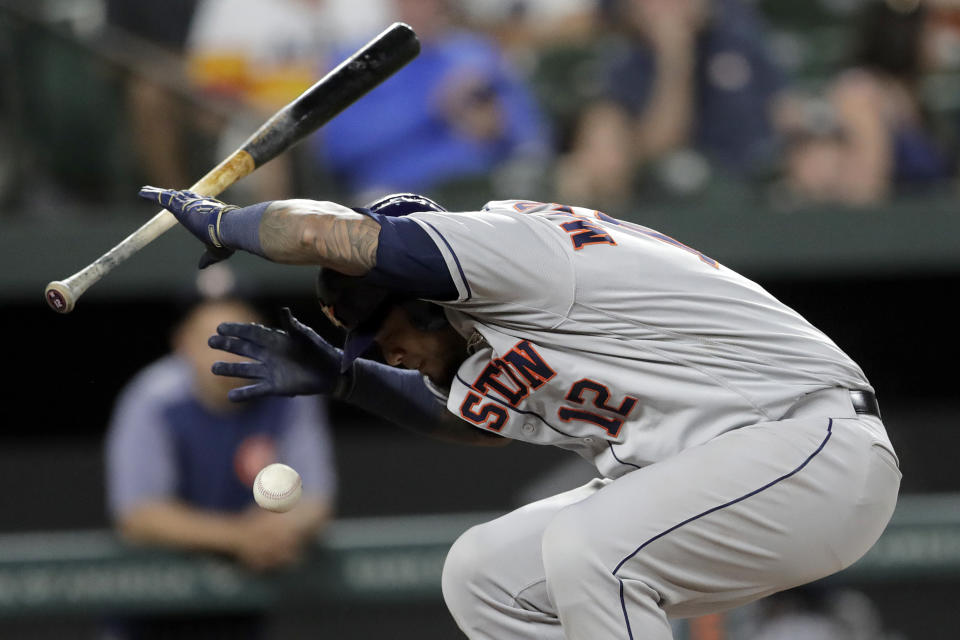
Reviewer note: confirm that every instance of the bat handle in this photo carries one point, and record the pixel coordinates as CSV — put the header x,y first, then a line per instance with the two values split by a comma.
x,y
62,295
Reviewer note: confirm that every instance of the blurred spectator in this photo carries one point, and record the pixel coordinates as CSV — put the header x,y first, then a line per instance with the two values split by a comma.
x,y
524,27
348,22
260,56
870,135
459,110
181,459
693,74
157,117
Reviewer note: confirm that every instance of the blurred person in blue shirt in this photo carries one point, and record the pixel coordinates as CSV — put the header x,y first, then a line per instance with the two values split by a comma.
x,y
459,110
690,75
181,459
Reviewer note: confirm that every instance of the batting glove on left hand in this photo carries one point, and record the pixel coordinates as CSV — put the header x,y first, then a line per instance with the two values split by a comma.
x,y
201,215
292,362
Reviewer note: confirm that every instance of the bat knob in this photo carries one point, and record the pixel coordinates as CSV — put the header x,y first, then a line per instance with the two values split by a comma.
x,y
59,296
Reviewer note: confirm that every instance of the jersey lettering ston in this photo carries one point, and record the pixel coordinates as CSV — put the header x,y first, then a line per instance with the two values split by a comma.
x,y
616,341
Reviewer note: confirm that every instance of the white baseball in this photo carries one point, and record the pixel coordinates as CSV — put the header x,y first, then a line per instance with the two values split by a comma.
x,y
277,487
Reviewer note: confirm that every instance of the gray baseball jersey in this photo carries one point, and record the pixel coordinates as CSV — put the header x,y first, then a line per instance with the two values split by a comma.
x,y
615,340
735,462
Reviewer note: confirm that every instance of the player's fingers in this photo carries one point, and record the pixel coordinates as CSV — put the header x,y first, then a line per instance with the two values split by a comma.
x,y
237,346
272,340
223,343
164,197
294,326
287,321
246,330
248,392
213,255
252,370
151,193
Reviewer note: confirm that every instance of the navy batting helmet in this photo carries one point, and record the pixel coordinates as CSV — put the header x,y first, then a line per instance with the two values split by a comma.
x,y
359,307
400,204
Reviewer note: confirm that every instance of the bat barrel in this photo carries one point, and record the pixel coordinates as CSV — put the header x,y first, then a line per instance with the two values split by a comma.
x,y
348,82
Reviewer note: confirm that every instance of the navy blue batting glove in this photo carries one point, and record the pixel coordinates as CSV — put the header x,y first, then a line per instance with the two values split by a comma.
x,y
201,215
290,362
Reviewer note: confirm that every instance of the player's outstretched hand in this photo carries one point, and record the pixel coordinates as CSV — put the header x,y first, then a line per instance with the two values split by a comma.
x,y
199,214
290,362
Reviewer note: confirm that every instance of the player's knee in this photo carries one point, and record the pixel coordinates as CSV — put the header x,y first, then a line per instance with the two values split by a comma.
x,y
462,572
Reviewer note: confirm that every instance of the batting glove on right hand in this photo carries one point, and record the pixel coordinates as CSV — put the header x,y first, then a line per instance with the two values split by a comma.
x,y
292,362
199,214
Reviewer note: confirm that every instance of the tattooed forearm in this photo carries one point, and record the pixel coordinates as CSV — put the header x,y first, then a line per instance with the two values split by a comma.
x,y
349,243
322,233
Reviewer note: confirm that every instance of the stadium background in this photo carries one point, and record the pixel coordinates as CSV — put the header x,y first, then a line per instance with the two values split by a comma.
x,y
878,279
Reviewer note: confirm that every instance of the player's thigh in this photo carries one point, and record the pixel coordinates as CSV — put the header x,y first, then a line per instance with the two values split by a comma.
x,y
501,558
754,511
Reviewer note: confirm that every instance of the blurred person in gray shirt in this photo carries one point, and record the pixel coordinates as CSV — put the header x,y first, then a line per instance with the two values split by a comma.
x,y
181,460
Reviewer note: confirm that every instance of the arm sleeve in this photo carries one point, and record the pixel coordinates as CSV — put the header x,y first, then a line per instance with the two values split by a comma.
x,y
491,261
409,261
140,455
306,445
403,397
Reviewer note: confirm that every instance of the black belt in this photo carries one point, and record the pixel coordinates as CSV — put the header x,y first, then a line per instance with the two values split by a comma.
x,y
865,403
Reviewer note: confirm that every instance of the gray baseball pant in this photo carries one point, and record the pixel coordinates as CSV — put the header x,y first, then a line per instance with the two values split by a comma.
x,y
754,511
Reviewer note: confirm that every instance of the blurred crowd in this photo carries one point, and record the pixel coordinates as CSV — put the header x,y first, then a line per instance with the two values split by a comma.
x,y
610,104
603,103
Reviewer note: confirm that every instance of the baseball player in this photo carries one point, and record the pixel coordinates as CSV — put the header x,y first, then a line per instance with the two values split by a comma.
x,y
741,451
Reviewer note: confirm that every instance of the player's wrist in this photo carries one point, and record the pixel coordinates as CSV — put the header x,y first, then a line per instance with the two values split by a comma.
x,y
239,227
398,395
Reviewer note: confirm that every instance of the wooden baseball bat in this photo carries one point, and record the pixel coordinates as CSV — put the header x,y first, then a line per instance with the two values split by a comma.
x,y
375,62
